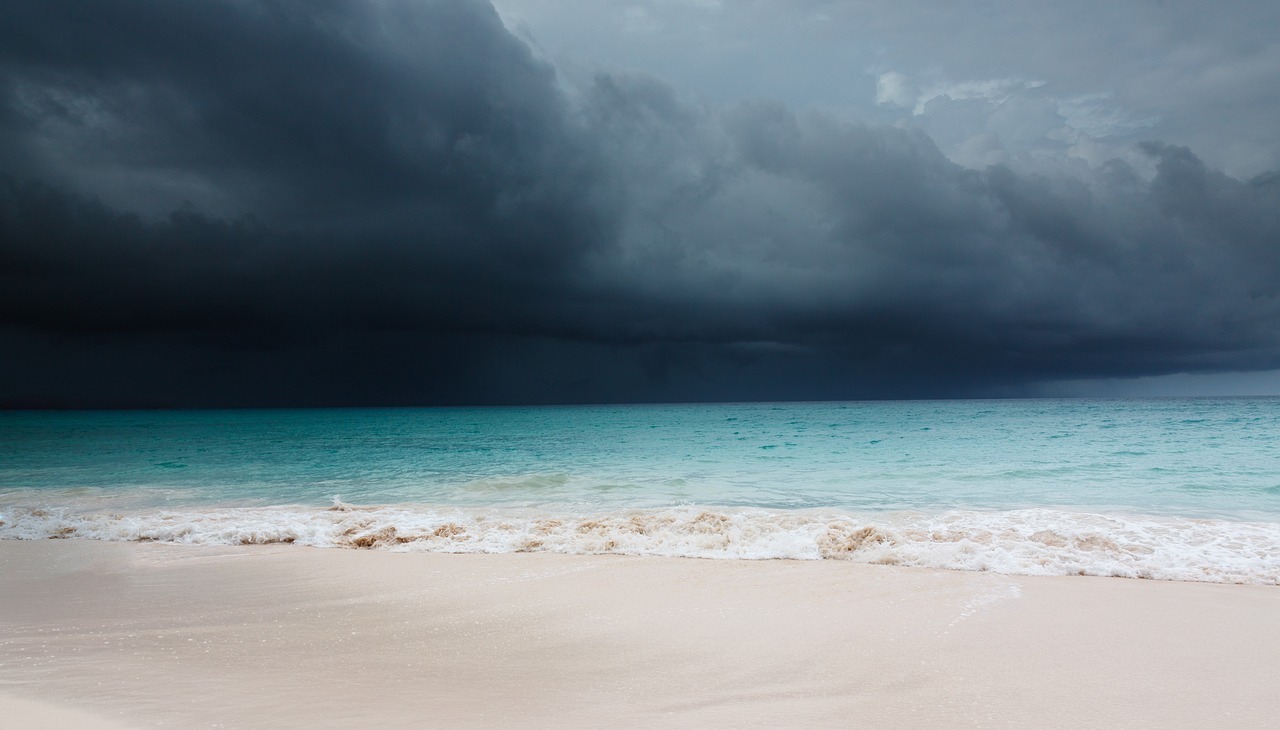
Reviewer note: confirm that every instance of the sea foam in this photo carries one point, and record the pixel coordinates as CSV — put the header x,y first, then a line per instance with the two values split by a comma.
x,y
1028,542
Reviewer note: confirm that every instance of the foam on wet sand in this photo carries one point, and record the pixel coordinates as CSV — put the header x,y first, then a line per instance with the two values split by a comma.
x,y
145,635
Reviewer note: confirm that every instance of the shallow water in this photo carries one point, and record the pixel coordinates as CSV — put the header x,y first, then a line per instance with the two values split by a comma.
x,y
1163,488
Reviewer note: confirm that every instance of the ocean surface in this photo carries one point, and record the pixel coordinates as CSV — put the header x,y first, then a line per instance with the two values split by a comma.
x,y
1182,489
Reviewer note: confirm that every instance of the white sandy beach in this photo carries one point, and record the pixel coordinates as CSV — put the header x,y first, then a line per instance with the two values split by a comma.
x,y
128,635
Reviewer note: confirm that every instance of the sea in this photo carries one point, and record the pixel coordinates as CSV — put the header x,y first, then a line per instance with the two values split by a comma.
x,y
1172,489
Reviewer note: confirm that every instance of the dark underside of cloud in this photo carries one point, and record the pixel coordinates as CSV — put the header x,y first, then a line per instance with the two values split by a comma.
x,y
334,202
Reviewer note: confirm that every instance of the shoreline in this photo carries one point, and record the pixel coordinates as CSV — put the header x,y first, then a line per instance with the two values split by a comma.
x,y
147,634
1025,541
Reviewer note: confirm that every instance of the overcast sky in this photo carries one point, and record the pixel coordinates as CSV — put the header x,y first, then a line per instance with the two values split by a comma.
x,y
401,202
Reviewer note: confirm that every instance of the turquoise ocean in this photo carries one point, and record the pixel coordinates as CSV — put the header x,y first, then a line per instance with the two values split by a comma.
x,y
1181,489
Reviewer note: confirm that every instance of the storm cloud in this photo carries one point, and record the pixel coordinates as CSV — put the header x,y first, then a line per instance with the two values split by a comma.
x,y
401,202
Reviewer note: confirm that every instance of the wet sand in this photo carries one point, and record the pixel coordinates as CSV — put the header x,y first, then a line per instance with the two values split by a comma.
x,y
126,635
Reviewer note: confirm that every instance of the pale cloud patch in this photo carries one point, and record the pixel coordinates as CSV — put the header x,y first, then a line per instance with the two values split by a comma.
x,y
996,91
982,122
895,89
1025,120
979,151
1099,115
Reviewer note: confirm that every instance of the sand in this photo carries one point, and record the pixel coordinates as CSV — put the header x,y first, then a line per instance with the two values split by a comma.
x,y
121,635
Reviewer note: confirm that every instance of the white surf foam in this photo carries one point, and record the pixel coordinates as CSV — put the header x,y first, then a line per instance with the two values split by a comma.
x,y
1028,542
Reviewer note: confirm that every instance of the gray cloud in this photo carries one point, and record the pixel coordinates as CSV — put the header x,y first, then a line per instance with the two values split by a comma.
x,y
296,203
1176,70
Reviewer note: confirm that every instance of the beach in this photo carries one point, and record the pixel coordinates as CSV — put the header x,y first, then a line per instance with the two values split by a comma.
x,y
134,635
513,364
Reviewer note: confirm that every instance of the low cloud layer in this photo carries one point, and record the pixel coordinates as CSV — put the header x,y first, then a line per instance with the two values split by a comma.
x,y
303,203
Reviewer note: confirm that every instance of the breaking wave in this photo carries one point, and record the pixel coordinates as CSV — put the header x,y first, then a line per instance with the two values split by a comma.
x,y
1027,542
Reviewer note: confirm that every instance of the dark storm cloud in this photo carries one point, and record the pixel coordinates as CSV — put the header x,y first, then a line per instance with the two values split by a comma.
x,y
377,144
395,202
311,102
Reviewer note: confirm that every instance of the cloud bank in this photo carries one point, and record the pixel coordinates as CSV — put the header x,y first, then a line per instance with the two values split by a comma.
x,y
340,202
